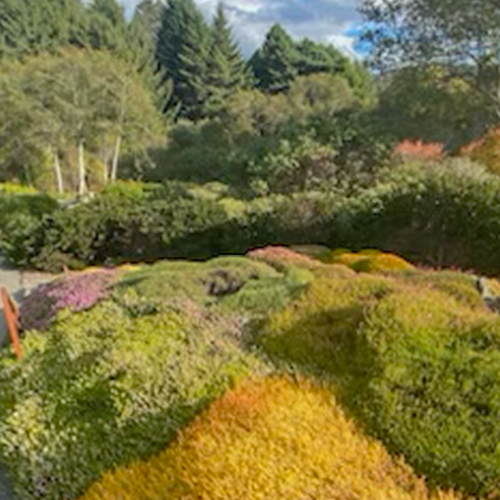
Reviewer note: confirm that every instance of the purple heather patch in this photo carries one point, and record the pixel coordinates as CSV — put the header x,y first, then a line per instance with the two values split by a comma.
x,y
76,293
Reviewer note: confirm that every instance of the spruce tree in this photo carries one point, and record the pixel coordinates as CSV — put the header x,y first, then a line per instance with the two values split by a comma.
x,y
182,50
318,58
30,27
142,34
107,26
275,64
228,71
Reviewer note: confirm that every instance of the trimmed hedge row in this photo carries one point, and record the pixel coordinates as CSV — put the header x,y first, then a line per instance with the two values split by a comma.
x,y
443,214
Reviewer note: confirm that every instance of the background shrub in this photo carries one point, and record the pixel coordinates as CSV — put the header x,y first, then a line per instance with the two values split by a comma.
x,y
438,214
21,215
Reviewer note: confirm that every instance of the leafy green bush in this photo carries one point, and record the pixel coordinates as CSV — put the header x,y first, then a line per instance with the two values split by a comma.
x,y
105,387
202,282
127,225
443,214
21,214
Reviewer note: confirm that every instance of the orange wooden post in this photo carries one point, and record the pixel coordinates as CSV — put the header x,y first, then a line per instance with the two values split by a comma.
x,y
12,320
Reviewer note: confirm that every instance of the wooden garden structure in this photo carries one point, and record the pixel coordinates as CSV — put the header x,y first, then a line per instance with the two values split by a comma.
x,y
11,313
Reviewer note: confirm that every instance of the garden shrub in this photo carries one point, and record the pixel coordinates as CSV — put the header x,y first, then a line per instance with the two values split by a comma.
x,y
348,258
202,282
443,215
76,293
485,150
460,286
271,439
417,365
320,252
282,257
269,294
104,387
380,263
21,214
127,225
411,151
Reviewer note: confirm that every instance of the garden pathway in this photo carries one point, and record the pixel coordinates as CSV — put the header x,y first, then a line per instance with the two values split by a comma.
x,y
17,284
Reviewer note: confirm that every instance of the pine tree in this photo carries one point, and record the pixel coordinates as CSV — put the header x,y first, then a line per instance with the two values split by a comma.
x,y
28,27
107,26
318,58
275,64
142,36
183,52
148,13
228,71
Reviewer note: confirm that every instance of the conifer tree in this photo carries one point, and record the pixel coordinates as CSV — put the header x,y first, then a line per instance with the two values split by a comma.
x,y
183,51
28,27
227,71
275,64
107,26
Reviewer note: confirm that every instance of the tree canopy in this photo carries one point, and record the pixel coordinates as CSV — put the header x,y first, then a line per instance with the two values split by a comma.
x,y
462,36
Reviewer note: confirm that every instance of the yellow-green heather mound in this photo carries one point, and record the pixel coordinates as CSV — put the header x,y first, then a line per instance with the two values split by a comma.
x,y
269,439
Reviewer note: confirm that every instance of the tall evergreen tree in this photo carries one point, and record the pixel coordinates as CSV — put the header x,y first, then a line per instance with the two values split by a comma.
x,y
28,27
227,71
142,37
318,58
182,50
148,13
275,64
107,26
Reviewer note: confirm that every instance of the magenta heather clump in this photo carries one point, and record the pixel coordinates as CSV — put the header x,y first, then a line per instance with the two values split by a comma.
x,y
76,293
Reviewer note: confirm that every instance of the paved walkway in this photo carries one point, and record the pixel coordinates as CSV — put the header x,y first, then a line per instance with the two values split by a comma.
x,y
17,284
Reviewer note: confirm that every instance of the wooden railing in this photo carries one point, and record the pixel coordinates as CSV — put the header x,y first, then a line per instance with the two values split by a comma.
x,y
11,313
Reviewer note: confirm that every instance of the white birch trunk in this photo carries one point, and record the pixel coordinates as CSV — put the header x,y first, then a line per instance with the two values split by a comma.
x,y
57,169
105,172
116,157
82,187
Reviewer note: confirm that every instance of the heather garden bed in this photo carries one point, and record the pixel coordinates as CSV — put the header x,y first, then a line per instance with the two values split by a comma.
x,y
181,376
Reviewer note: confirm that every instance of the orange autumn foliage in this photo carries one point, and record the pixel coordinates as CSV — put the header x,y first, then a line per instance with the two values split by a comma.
x,y
418,150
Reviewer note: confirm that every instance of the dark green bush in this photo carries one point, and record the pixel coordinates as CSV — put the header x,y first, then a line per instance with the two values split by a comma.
x,y
21,214
444,214
121,226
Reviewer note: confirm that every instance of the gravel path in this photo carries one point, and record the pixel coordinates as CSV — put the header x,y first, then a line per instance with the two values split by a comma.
x,y
17,284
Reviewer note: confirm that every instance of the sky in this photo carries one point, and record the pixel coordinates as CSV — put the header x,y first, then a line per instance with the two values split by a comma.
x,y
333,21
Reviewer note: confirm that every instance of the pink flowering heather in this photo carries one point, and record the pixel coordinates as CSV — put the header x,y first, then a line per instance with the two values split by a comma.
x,y
282,257
76,293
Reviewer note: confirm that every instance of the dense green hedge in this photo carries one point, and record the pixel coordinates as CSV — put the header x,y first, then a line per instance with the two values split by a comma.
x,y
21,214
445,214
